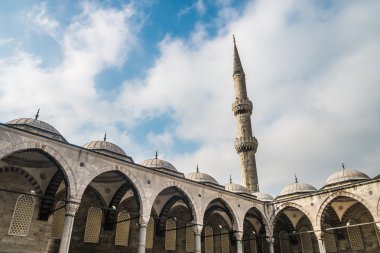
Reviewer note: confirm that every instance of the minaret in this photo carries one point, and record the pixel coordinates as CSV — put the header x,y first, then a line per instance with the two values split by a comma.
x,y
245,143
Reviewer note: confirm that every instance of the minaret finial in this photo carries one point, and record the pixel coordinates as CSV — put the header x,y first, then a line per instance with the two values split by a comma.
x,y
295,177
105,136
342,163
37,114
156,154
230,179
197,169
237,67
233,38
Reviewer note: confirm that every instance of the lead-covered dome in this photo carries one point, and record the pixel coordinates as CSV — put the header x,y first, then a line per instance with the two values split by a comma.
x,y
108,148
296,188
201,177
263,196
236,188
36,126
345,176
156,163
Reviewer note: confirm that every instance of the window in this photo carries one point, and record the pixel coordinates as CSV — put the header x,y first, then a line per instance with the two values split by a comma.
x,y
122,229
93,224
284,242
170,235
209,240
307,245
252,243
189,237
58,220
225,240
355,237
22,215
329,240
149,234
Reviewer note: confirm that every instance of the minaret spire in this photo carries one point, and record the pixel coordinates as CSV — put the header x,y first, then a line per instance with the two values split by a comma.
x,y
245,143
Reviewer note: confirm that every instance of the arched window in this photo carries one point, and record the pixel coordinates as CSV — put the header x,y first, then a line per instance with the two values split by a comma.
x,y
189,237
307,245
149,234
355,237
22,215
170,235
225,240
209,240
58,220
93,224
284,242
329,239
122,229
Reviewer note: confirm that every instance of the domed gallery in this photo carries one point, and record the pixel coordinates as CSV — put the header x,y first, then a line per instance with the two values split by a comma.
x,y
57,196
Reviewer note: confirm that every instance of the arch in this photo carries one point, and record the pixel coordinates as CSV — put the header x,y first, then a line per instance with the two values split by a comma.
x,y
291,204
231,212
264,218
54,154
26,175
141,199
331,197
193,205
48,200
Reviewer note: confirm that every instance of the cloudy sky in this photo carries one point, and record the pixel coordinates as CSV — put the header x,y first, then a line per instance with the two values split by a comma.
x,y
157,75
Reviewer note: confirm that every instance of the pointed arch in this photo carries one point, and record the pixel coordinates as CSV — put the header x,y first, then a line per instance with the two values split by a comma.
x,y
227,208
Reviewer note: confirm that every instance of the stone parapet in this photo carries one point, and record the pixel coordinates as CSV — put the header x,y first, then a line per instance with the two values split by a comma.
x,y
241,106
246,144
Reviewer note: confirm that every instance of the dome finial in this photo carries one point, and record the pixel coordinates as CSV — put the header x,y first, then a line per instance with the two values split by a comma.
x,y
197,169
295,177
342,163
230,179
105,136
156,155
37,114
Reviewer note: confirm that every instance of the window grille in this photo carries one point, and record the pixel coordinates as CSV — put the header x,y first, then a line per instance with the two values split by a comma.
x,y
58,220
225,241
307,245
377,233
284,242
22,215
93,224
189,237
122,228
209,240
252,243
355,237
170,235
329,240
149,234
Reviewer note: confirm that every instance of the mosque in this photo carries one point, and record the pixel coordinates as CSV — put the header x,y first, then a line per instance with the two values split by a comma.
x,y
59,197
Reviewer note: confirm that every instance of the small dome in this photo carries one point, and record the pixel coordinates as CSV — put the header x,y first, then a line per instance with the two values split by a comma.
x,y
297,188
37,126
108,148
201,177
377,177
236,188
263,196
156,163
345,175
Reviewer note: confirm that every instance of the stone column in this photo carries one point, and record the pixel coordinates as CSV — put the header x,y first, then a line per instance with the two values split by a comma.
x,y
197,238
321,242
71,209
270,241
239,243
142,237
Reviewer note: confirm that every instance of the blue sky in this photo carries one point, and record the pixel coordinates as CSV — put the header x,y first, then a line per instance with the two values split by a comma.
x,y
156,75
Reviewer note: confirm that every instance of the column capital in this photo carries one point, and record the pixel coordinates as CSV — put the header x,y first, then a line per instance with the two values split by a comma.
x,y
71,208
319,234
238,235
198,229
270,240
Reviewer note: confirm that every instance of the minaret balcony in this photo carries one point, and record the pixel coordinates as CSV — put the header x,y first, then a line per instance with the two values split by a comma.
x,y
241,106
246,144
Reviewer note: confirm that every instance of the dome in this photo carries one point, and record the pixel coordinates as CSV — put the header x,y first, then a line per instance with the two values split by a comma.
x,y
263,196
37,126
377,177
345,175
236,188
201,177
108,148
297,188
156,163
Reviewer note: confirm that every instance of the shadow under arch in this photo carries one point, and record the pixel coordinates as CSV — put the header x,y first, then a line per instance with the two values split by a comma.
x,y
219,203
335,195
56,157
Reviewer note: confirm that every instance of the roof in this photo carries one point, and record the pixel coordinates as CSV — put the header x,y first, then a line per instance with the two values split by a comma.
x,y
37,126
156,163
108,148
263,196
345,175
236,188
201,177
296,188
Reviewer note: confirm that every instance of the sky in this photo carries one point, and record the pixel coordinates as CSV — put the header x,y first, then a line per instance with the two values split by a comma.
x,y
157,75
